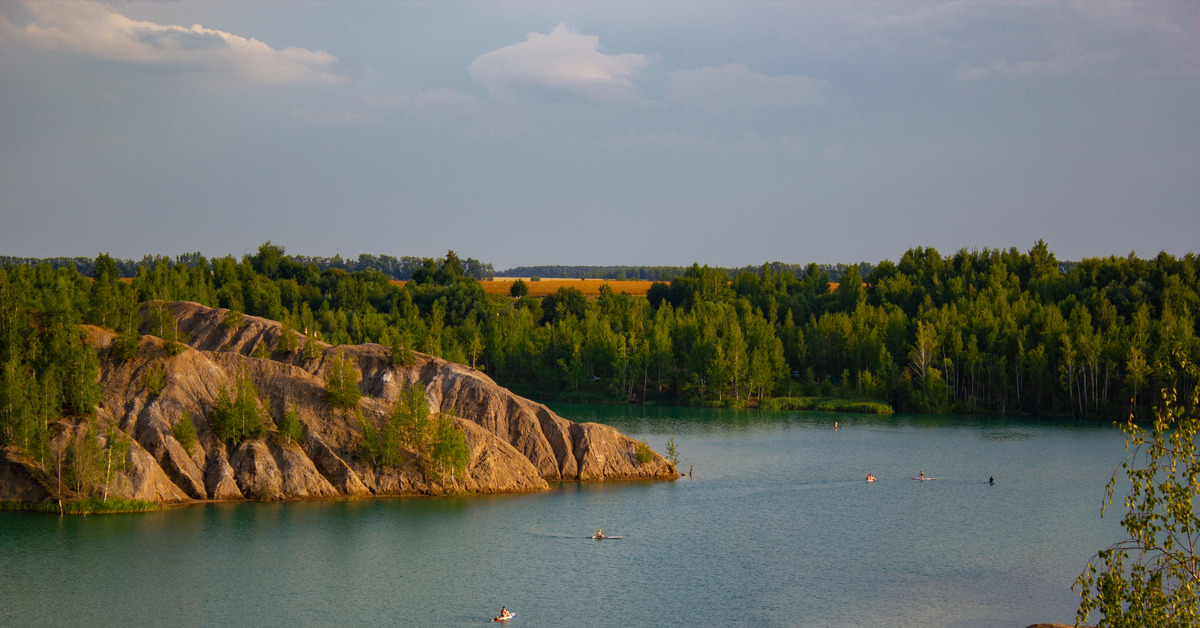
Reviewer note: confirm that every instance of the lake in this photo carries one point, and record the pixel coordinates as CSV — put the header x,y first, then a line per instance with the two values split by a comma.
x,y
776,527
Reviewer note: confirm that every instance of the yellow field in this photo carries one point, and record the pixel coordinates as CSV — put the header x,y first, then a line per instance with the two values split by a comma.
x,y
542,287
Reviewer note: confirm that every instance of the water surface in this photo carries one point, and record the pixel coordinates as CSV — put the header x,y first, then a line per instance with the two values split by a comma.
x,y
776,527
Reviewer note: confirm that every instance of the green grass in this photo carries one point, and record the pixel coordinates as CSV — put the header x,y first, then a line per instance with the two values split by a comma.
x,y
90,506
826,404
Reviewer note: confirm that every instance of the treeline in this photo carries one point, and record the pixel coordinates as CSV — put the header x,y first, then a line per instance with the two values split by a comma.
x,y
667,273
987,330
400,268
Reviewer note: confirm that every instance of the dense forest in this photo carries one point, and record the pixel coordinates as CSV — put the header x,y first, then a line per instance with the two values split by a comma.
x,y
996,331
400,268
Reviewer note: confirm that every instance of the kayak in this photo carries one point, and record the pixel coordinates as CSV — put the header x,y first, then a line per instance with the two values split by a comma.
x,y
504,617
601,538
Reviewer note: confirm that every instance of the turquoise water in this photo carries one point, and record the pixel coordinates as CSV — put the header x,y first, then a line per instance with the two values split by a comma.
x,y
775,528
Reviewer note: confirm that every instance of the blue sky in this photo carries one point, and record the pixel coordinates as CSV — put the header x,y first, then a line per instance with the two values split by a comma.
x,y
666,133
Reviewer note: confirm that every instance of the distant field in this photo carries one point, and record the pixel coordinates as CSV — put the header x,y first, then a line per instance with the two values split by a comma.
x,y
542,287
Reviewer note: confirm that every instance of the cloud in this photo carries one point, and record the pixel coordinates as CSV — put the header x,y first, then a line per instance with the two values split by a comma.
x,y
986,39
734,87
563,65
94,30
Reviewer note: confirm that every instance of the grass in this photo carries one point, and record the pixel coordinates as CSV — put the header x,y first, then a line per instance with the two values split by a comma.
x,y
89,506
543,287
826,404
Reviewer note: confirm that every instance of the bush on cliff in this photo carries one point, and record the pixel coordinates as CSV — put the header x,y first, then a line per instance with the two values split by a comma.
x,y
239,417
341,382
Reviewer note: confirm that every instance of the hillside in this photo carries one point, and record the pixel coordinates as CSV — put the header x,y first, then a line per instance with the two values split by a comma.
x,y
515,445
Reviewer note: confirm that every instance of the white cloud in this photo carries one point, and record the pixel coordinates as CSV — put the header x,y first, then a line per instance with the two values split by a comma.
x,y
734,87
93,29
563,65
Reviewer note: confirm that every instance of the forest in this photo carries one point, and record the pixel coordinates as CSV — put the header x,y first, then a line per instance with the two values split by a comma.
x,y
979,331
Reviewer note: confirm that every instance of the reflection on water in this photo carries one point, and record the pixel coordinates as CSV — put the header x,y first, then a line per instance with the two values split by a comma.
x,y
777,528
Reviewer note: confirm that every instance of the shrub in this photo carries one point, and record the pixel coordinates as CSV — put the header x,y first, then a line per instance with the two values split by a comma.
x,y
672,452
184,431
234,320
291,430
154,378
644,453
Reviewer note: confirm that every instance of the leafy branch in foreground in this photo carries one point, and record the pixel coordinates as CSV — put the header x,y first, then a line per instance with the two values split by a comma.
x,y
1151,578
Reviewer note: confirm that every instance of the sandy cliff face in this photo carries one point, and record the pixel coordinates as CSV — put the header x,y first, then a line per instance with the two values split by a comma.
x,y
516,445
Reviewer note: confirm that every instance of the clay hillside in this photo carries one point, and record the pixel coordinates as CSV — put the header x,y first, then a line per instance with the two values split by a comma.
x,y
516,445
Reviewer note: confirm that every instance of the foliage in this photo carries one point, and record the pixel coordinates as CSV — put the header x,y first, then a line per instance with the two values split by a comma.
x,y
519,289
644,454
164,325
672,451
286,343
437,440
987,331
184,431
399,353
291,430
116,456
81,466
341,382
826,404
1153,577
234,320
154,378
88,506
238,416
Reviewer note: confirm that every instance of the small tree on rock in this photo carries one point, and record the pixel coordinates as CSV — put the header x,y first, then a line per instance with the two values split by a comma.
x,y
341,382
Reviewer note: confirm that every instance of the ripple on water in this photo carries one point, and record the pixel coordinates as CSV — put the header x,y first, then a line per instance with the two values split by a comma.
x,y
1009,435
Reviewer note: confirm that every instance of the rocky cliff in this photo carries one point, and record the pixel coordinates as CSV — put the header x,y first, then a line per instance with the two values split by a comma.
x,y
516,445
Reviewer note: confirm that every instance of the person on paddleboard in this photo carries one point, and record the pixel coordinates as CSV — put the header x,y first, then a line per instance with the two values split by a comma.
x,y
922,474
599,534
504,612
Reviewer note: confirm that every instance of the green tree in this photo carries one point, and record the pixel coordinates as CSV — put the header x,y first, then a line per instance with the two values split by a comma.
x,y
519,289
164,325
240,416
291,430
449,452
1153,577
287,342
82,461
184,431
116,456
341,382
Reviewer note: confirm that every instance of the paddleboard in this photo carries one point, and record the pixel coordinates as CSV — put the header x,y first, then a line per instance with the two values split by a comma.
x,y
510,616
604,538
924,478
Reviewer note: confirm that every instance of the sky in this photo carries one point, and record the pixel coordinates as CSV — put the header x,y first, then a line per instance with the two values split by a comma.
x,y
599,133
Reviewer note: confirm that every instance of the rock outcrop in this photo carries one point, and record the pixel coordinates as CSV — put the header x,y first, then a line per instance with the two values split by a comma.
x,y
516,445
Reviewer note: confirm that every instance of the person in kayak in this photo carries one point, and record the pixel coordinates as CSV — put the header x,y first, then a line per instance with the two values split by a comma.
x,y
599,534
